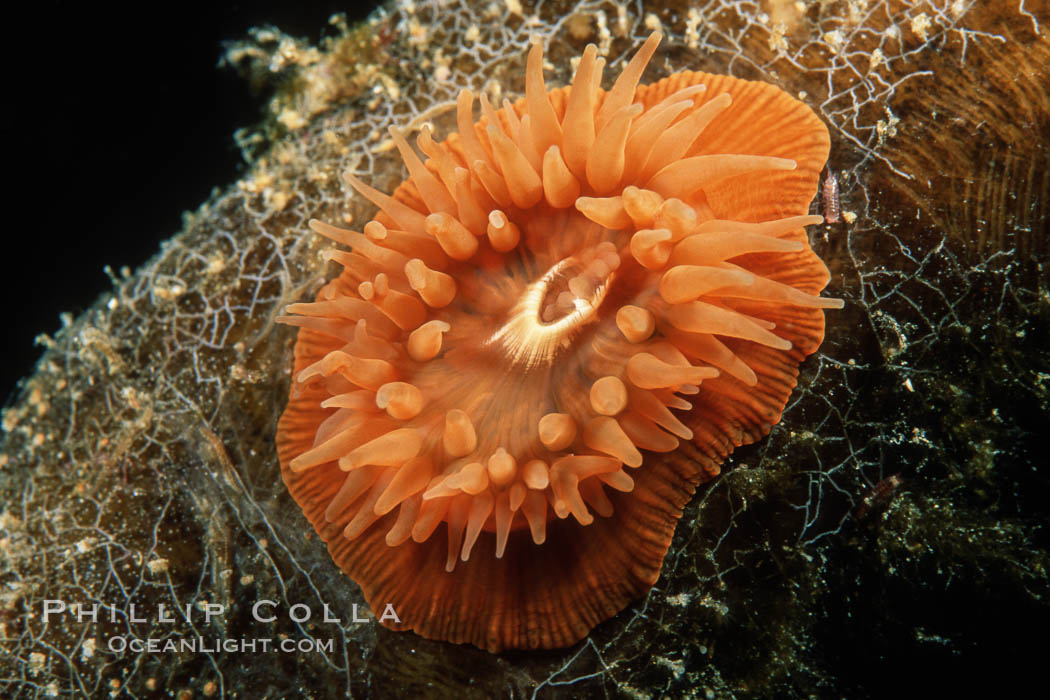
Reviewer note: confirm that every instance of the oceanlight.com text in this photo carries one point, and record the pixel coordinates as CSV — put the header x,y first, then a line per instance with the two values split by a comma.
x,y
200,645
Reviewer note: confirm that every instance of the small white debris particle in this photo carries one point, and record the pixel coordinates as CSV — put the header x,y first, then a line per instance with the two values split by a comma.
x,y
157,566
777,40
216,264
835,40
604,35
675,665
291,119
876,59
920,24
692,21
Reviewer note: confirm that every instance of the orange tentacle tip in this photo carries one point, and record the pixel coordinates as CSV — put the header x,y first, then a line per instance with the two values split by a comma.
x,y
486,397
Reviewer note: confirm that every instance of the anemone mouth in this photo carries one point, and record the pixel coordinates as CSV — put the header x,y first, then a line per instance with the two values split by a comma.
x,y
553,308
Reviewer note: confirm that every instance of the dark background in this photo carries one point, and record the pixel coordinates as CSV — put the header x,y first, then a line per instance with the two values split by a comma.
x,y
115,121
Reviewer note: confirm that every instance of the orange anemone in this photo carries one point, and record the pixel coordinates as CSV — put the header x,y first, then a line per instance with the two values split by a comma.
x,y
556,327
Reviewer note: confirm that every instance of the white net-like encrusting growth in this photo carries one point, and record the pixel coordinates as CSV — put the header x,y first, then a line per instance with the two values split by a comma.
x,y
520,323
